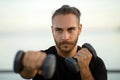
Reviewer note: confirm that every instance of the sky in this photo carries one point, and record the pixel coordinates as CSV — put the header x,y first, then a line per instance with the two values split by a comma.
x,y
28,15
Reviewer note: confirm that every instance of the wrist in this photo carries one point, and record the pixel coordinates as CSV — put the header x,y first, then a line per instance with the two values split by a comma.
x,y
28,74
84,69
85,73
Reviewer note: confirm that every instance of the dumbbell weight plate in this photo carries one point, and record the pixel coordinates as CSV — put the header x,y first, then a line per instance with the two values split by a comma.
x,y
72,64
90,48
49,66
17,65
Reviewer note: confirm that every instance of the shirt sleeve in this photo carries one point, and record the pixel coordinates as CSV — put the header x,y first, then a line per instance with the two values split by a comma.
x,y
100,72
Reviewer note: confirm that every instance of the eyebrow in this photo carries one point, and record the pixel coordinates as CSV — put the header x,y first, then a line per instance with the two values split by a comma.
x,y
72,28
58,28
68,28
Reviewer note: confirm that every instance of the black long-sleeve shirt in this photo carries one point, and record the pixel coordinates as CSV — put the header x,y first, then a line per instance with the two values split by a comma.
x,y
97,68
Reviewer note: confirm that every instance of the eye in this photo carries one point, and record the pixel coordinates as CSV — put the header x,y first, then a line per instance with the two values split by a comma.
x,y
58,30
71,30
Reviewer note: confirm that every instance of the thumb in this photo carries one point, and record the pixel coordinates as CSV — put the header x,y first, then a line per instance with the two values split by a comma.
x,y
40,72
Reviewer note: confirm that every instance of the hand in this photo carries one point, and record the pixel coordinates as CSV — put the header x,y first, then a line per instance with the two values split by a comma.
x,y
84,57
33,61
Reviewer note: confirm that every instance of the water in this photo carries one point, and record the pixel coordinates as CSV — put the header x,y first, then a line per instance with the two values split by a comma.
x,y
106,44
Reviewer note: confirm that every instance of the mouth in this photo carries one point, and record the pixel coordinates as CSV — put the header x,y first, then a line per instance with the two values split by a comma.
x,y
66,45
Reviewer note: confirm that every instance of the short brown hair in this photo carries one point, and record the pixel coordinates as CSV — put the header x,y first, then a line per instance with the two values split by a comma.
x,y
66,9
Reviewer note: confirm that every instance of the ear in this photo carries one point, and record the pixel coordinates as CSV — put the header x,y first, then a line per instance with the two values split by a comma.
x,y
80,28
52,28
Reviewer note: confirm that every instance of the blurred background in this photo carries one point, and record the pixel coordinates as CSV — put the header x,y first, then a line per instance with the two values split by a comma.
x,y
26,25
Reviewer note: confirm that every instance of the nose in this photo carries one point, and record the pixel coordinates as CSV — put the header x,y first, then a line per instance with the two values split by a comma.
x,y
65,36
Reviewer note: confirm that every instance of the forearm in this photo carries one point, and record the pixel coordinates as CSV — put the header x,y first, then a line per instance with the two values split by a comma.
x,y
86,74
27,74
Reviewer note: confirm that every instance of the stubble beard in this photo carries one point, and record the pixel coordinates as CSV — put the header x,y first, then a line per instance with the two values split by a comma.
x,y
66,46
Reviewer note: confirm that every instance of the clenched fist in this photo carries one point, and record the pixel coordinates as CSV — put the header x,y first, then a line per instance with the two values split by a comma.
x,y
33,62
84,57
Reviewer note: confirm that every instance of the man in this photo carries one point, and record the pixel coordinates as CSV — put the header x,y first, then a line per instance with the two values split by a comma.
x,y
66,29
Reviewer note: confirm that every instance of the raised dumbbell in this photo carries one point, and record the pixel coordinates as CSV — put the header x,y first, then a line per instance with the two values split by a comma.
x,y
72,63
48,66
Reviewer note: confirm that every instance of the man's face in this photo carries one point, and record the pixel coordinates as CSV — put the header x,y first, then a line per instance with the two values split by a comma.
x,y
66,30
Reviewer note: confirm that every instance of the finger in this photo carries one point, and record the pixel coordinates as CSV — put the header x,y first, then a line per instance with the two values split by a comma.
x,y
41,60
26,59
40,72
88,53
80,53
34,57
84,51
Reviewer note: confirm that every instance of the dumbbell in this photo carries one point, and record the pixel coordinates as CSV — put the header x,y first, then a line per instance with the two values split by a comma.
x,y
48,66
72,63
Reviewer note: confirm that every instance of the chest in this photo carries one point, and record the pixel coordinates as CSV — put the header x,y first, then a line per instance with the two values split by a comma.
x,y
63,73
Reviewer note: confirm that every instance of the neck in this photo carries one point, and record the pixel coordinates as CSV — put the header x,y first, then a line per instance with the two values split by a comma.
x,y
67,54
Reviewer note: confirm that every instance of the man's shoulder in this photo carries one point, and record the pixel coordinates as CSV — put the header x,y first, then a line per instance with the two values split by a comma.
x,y
99,61
50,50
